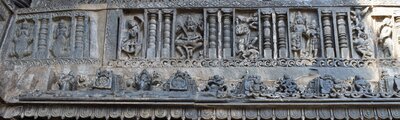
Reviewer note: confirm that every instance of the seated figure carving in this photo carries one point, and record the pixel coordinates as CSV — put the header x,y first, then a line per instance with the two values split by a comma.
x,y
190,39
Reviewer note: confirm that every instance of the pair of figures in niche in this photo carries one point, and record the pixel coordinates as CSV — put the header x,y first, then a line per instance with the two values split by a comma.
x,y
305,38
24,39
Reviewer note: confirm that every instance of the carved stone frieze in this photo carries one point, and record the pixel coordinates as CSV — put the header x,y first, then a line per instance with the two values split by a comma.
x,y
199,59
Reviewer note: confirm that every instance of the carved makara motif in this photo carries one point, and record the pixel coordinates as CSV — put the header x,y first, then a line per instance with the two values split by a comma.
x,y
246,43
132,45
385,38
61,45
189,40
22,41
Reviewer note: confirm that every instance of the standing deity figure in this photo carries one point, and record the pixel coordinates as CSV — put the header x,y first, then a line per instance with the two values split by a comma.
x,y
299,32
22,41
61,45
190,40
312,42
132,45
246,44
385,38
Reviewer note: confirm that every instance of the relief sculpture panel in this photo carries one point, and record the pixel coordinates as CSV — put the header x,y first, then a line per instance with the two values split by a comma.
x,y
209,57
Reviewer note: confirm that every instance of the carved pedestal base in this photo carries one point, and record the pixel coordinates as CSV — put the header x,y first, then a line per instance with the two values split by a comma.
x,y
268,53
282,53
330,53
227,53
212,52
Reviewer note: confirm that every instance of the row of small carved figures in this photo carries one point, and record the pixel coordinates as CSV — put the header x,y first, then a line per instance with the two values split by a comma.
x,y
251,86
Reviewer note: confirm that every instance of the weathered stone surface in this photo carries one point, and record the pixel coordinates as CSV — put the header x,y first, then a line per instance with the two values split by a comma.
x,y
200,59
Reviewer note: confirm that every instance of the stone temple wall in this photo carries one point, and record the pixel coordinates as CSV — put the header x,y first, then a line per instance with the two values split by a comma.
x,y
200,59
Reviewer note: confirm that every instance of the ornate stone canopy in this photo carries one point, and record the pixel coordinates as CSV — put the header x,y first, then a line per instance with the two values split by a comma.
x,y
199,59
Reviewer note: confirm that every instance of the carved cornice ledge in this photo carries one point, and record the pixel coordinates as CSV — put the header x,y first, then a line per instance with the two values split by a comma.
x,y
201,112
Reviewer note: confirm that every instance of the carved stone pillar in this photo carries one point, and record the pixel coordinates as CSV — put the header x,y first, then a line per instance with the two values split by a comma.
x,y
79,42
282,38
213,32
43,33
342,33
397,25
227,22
267,36
151,48
166,50
327,29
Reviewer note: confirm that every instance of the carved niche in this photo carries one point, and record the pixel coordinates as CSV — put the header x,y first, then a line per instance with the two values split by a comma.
x,y
57,36
23,39
362,41
305,34
189,40
246,30
133,36
61,44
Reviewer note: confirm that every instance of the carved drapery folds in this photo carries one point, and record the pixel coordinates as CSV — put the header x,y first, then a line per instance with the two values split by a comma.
x,y
52,36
